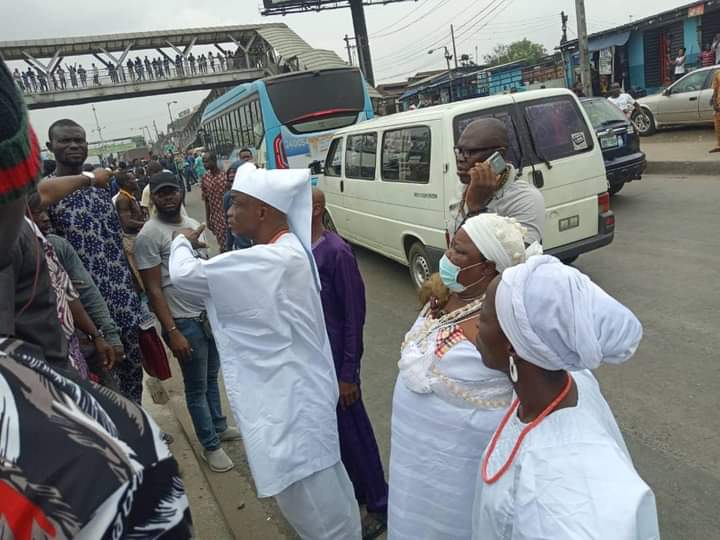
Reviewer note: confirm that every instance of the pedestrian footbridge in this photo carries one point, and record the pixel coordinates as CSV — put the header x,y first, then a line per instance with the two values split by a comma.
x,y
86,69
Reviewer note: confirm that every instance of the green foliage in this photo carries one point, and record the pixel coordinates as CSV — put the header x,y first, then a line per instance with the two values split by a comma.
x,y
518,50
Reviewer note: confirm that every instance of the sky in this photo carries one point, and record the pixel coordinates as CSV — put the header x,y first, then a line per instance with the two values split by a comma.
x,y
401,35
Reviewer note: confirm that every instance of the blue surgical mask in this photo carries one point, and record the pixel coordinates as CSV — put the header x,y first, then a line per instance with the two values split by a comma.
x,y
449,272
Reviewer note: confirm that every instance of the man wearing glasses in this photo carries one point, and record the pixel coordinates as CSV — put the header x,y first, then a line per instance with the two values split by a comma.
x,y
484,191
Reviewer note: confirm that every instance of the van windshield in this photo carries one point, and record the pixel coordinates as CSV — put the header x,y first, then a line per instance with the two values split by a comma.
x,y
514,154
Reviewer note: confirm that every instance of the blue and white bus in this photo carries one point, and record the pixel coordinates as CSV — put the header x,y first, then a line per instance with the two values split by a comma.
x,y
287,120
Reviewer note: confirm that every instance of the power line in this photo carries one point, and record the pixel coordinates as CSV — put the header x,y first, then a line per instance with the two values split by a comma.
x,y
383,33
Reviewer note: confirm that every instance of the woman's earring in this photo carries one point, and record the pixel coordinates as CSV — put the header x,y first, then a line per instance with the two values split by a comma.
x,y
513,370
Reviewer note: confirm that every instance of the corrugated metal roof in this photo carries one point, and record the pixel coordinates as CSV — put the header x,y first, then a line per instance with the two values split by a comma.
x,y
289,46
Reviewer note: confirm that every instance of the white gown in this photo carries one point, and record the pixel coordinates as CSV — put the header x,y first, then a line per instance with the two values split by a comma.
x,y
573,479
438,439
268,324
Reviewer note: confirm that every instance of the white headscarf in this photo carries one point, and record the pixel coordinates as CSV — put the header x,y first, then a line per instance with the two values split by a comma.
x,y
556,318
286,190
500,239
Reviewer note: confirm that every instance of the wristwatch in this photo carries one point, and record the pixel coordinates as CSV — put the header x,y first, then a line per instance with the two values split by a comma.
x,y
91,176
98,333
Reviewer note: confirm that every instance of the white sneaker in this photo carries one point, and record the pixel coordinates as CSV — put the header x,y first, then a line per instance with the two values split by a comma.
x,y
230,434
217,460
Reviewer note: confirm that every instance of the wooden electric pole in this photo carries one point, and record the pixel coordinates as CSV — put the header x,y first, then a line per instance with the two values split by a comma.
x,y
585,73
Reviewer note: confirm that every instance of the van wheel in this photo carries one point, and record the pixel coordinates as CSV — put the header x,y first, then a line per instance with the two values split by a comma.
x,y
644,121
328,223
419,264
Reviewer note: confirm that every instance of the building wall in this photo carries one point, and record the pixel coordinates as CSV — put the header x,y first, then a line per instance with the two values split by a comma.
x,y
636,60
506,79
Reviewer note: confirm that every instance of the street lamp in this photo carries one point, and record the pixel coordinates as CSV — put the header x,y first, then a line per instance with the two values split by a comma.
x,y
448,57
170,114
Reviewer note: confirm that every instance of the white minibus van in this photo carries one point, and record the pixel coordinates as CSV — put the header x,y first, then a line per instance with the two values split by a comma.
x,y
391,183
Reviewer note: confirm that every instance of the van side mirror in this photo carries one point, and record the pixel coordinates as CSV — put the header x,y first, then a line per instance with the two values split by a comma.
x,y
316,167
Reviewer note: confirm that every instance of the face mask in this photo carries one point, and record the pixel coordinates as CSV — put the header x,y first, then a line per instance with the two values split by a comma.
x,y
449,272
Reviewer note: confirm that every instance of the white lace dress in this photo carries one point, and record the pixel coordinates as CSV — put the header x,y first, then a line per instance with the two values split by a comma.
x,y
446,406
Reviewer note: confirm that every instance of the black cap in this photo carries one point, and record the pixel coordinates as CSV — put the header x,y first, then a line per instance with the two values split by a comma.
x,y
163,179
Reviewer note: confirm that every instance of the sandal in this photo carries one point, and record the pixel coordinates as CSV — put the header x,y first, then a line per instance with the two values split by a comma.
x,y
373,525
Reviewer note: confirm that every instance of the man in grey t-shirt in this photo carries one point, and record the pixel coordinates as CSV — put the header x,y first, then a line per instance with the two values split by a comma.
x,y
185,326
486,192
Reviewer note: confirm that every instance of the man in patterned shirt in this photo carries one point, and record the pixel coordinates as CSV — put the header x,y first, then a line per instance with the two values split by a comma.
x,y
88,220
213,192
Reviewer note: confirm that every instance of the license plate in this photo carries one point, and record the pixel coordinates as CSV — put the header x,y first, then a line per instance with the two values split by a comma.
x,y
609,141
569,223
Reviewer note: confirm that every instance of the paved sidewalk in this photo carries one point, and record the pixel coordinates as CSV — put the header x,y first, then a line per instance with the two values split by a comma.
x,y
681,151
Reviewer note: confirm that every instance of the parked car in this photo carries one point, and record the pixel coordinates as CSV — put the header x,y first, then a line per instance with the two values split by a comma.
x,y
686,101
391,183
619,142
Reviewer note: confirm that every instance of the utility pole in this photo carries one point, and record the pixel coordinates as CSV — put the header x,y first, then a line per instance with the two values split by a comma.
x,y
362,42
585,74
99,132
452,35
563,21
349,49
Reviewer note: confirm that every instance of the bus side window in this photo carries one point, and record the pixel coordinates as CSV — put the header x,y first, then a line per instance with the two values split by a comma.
x,y
333,162
406,155
360,153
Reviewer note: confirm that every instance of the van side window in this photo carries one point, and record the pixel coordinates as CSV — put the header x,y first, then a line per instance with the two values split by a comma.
x,y
406,155
360,153
333,161
558,128
514,154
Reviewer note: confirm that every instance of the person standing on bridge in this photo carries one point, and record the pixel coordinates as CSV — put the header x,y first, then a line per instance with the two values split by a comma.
x,y
277,363
82,73
212,186
191,61
166,66
73,75
131,69
139,69
179,67
211,59
87,218
148,68
95,75
343,301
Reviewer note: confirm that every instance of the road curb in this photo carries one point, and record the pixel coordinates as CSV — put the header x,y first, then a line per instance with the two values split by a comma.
x,y
700,168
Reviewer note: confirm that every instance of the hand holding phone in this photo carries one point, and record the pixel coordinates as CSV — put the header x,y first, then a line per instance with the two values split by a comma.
x,y
484,179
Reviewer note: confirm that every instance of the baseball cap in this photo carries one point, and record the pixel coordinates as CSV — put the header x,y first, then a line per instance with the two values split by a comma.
x,y
163,179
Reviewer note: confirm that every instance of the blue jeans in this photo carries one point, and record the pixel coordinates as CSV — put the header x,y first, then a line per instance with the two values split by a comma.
x,y
202,393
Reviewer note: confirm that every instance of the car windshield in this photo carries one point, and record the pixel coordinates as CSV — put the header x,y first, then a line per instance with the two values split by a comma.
x,y
602,112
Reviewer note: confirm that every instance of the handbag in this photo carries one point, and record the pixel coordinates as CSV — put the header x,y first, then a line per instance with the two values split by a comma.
x,y
154,358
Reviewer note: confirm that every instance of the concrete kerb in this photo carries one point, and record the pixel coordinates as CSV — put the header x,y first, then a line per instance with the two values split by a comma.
x,y
702,168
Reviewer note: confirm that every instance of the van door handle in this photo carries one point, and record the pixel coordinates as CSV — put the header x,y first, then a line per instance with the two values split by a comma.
x,y
693,98
342,186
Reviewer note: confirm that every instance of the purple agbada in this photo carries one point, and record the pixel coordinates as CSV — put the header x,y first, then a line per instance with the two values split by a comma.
x,y
343,300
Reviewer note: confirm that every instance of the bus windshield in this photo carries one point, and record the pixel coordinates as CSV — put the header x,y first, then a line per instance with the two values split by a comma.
x,y
312,101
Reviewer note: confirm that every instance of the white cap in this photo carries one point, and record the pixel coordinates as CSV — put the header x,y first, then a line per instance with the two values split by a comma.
x,y
286,190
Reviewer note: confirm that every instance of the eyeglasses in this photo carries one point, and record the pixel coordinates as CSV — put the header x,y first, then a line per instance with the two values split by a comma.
x,y
468,152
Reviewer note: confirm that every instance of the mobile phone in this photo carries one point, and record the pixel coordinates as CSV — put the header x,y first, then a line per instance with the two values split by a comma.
x,y
497,163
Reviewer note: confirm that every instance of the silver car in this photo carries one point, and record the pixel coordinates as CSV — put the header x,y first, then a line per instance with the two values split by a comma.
x,y
686,101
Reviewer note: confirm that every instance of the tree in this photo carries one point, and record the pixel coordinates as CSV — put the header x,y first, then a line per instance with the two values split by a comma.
x,y
518,50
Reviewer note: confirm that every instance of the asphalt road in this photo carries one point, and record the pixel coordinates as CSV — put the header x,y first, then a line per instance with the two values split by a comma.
x,y
664,265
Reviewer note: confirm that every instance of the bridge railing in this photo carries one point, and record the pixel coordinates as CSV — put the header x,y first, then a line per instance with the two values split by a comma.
x,y
72,77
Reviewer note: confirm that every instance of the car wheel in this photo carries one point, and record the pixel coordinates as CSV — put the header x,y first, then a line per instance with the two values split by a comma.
x,y
615,188
419,264
328,222
644,122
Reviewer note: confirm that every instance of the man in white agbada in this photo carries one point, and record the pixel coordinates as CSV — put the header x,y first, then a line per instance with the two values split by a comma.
x,y
557,466
264,306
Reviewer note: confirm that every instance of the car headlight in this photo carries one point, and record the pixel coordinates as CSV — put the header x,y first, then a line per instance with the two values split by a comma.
x,y
631,129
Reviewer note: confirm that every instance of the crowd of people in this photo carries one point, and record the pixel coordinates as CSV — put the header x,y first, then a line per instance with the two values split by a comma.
x,y
35,80
499,428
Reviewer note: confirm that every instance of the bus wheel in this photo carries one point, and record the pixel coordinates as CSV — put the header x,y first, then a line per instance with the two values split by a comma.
x,y
419,264
328,223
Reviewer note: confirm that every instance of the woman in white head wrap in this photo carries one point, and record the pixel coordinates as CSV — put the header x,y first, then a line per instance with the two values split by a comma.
x,y
446,403
557,466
